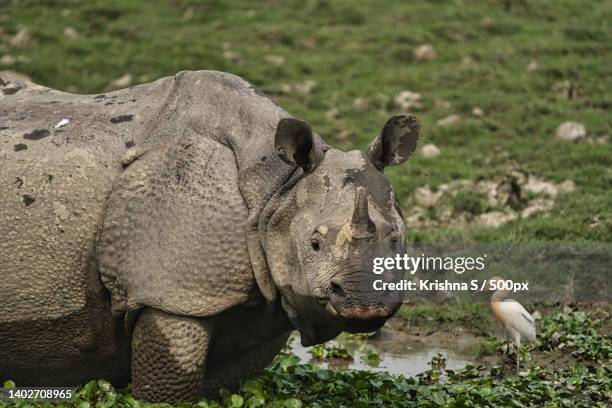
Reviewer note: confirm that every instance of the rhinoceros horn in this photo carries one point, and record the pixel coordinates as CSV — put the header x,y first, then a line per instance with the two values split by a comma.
x,y
361,224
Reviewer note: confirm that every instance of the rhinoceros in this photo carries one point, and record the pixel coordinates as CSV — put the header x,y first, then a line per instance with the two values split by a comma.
x,y
174,233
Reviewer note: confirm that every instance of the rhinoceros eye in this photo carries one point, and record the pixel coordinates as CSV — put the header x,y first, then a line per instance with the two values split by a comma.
x,y
315,244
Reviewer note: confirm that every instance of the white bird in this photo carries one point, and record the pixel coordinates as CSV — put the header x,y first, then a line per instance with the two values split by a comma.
x,y
519,325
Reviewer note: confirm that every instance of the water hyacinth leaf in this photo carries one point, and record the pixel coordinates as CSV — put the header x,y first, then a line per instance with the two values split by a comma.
x,y
372,359
255,401
235,401
293,403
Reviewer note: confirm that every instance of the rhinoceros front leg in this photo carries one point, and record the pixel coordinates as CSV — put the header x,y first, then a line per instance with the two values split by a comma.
x,y
169,356
230,370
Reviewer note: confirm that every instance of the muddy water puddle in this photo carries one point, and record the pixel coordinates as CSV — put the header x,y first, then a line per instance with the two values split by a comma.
x,y
393,350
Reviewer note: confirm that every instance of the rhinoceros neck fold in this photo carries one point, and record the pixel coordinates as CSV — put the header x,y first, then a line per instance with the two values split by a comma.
x,y
228,110
233,113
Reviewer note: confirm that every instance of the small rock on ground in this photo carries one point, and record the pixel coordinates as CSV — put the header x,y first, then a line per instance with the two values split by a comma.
x,y
360,104
21,39
430,151
449,120
570,131
495,218
71,32
408,100
305,87
274,59
425,52
424,197
532,66
564,89
567,186
536,185
7,60
537,206
121,82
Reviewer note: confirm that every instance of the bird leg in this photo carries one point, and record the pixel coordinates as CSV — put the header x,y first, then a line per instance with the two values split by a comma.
x,y
518,356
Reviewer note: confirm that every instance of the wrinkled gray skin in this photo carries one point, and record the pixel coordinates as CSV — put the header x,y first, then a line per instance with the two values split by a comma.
x,y
174,233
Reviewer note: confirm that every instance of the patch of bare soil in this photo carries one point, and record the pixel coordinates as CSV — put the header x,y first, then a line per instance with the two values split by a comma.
x,y
485,202
398,335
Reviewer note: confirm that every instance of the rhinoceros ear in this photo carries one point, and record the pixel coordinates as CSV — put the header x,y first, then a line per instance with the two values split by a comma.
x,y
296,145
396,142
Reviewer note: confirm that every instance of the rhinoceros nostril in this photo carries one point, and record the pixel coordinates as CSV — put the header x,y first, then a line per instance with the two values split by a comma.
x,y
336,289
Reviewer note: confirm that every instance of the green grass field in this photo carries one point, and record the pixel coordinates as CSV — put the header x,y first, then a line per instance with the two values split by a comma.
x,y
527,66
340,65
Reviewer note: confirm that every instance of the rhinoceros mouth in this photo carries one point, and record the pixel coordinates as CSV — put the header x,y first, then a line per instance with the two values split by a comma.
x,y
359,321
360,313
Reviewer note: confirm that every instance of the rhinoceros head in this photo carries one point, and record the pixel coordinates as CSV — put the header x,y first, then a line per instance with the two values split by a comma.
x,y
329,225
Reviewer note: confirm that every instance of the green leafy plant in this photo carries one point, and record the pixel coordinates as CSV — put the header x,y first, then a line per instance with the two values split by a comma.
x,y
578,333
371,358
337,352
317,352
